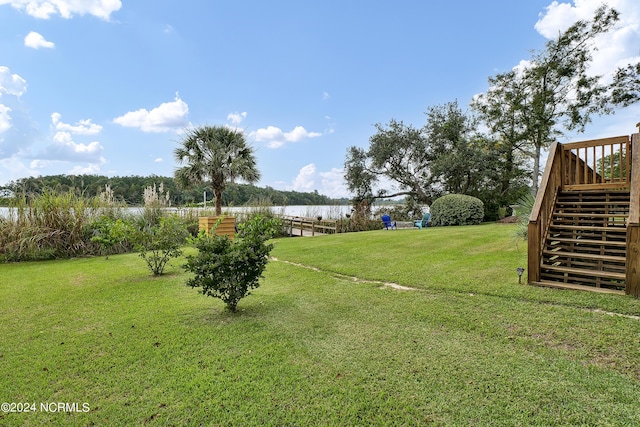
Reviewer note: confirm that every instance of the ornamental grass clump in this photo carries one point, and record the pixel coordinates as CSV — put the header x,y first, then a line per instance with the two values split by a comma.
x,y
47,226
229,269
155,203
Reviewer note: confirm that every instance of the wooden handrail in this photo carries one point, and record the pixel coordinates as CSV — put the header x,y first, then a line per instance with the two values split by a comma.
x,y
542,209
546,177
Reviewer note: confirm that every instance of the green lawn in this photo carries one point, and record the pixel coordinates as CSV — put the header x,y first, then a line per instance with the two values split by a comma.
x,y
322,341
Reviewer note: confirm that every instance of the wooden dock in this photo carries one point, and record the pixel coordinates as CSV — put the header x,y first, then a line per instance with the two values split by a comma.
x,y
307,227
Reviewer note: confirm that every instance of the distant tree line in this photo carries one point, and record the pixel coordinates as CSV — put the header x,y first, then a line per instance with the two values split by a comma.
x,y
130,190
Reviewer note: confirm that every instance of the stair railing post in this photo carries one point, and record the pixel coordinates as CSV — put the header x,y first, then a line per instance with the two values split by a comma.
x,y
632,280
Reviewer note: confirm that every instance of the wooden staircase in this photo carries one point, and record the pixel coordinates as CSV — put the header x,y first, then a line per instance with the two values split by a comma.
x,y
586,240
584,229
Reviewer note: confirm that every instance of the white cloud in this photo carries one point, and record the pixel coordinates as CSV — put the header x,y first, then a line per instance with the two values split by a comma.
x,y
237,118
276,138
618,47
14,86
83,127
329,183
333,183
39,164
12,168
330,126
167,117
558,17
65,149
43,9
11,84
5,118
36,41
90,169
325,95
159,160
305,180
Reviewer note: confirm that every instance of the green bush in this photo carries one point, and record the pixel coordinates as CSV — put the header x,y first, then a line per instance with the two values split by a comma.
x,y
109,232
457,209
228,269
264,209
159,243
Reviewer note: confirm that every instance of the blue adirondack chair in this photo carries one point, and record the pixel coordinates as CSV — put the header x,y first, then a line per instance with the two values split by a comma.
x,y
388,224
424,222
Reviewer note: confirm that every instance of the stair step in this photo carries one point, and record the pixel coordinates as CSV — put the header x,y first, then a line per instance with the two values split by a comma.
x,y
588,250
600,193
578,255
572,286
593,195
621,244
589,223
593,201
611,228
590,215
622,202
584,272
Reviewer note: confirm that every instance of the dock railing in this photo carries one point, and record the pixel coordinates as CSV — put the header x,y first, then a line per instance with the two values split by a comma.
x,y
298,225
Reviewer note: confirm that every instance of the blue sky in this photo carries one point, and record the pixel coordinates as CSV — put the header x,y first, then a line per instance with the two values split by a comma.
x,y
108,86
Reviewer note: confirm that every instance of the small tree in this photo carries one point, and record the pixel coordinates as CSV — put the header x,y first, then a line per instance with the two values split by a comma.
x,y
230,269
159,243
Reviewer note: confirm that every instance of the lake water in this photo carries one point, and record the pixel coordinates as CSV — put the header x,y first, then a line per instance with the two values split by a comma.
x,y
313,211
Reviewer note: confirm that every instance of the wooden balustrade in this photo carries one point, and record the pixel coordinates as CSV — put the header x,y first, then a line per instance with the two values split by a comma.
x,y
598,164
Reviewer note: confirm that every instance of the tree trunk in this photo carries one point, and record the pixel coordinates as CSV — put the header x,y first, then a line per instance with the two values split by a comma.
x,y
507,173
218,196
536,169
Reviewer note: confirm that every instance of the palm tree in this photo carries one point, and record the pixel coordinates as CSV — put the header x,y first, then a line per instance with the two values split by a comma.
x,y
215,155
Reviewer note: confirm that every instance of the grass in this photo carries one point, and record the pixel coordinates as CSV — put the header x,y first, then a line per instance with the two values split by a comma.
x,y
315,346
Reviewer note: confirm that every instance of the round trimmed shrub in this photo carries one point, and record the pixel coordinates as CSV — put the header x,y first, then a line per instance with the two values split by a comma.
x,y
457,209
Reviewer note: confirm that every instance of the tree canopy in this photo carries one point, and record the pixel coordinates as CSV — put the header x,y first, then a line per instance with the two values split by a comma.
x,y
447,155
531,106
